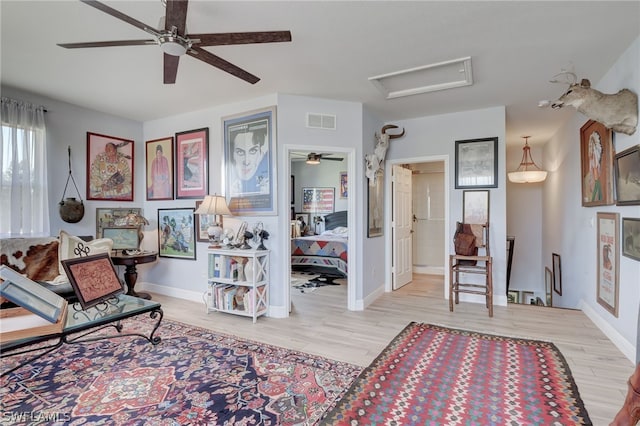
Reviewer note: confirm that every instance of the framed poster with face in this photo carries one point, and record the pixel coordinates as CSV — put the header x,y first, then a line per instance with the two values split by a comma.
x,y
159,169
250,162
192,151
109,168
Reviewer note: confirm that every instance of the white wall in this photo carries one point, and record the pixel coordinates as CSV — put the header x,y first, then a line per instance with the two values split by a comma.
x,y
570,229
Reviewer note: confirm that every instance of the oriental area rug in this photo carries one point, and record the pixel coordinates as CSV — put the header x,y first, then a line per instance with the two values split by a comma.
x,y
432,375
193,377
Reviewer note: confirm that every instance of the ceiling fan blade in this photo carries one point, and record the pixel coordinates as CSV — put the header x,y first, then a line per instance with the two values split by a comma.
x,y
332,159
176,15
218,62
221,39
117,14
170,68
114,43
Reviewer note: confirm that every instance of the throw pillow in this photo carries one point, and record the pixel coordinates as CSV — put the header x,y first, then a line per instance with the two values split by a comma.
x,y
71,247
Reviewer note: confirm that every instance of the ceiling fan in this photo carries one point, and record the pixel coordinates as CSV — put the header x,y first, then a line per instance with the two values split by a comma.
x,y
313,158
175,42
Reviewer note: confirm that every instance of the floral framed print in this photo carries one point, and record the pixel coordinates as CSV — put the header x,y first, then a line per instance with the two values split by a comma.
x,y
192,152
159,159
475,206
608,261
109,168
176,234
596,163
627,173
477,163
631,237
250,162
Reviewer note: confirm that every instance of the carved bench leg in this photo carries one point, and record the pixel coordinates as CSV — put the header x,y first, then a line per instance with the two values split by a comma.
x,y
629,414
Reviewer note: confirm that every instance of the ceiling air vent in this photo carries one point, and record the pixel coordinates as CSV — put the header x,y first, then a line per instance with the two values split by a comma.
x,y
427,78
321,121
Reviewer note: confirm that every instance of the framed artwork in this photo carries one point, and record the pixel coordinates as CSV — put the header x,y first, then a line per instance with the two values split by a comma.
x,y
192,152
250,162
528,298
596,163
475,206
293,189
631,237
513,296
548,284
627,173
93,278
318,200
176,237
608,261
109,168
557,273
375,206
477,163
124,238
344,187
202,224
159,160
303,217
112,218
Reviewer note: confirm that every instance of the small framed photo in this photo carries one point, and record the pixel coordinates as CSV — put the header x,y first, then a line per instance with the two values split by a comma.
x,y
203,222
176,236
109,168
159,169
475,206
192,152
477,163
608,261
596,162
513,296
528,298
631,237
557,273
124,238
627,172
93,278
344,185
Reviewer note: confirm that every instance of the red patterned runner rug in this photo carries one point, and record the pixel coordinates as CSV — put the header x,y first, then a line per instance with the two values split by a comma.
x,y
193,377
432,375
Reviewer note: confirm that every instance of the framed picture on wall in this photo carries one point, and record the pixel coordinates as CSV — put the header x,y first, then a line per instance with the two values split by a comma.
x,y
113,218
159,159
318,200
631,237
608,261
109,168
557,273
627,172
596,163
375,206
192,152
176,235
477,163
344,185
475,206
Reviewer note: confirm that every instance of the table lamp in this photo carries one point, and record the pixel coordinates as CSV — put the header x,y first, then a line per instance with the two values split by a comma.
x,y
214,205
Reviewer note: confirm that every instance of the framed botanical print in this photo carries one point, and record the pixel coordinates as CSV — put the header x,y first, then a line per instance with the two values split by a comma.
x,y
159,159
608,261
176,235
250,162
192,152
477,163
627,172
109,168
596,161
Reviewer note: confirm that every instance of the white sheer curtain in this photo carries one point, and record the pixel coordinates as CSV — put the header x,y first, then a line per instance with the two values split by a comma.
x,y
24,201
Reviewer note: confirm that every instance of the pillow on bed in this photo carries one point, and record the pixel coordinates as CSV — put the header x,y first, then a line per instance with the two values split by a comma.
x,y
340,231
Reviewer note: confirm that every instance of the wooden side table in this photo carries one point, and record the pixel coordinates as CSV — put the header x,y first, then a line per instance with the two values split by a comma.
x,y
131,273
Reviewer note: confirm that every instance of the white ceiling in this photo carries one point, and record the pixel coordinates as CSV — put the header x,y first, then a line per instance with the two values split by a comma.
x,y
516,48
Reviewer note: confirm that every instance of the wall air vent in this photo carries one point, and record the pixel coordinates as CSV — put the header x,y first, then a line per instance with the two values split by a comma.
x,y
321,121
427,78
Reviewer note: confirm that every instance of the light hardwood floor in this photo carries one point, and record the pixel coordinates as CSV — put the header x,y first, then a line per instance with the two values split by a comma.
x,y
321,324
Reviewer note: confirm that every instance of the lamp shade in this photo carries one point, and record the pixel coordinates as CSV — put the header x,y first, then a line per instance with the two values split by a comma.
x,y
528,171
213,204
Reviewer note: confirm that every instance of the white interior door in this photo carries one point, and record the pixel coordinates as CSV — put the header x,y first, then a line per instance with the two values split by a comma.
x,y
401,223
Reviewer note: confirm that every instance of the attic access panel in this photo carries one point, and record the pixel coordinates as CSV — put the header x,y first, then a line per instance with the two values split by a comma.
x,y
427,78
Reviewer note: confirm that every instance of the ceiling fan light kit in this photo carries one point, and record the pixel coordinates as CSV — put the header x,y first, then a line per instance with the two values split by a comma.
x,y
174,41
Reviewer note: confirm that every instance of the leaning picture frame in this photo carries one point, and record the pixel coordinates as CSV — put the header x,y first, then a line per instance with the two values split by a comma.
x,y
191,158
159,161
110,162
557,273
475,206
548,284
596,164
627,175
176,234
631,237
93,278
476,163
249,141
608,262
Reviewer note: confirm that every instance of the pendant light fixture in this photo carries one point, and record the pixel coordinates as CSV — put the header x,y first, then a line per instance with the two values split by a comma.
x,y
527,171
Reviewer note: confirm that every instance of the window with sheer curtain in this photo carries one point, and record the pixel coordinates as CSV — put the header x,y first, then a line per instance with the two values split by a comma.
x,y
24,201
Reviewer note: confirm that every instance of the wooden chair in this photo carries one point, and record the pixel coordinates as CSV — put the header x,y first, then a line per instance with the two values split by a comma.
x,y
479,263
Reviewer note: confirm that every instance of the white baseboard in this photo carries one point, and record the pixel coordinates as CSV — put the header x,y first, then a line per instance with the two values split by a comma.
x,y
621,343
179,293
429,270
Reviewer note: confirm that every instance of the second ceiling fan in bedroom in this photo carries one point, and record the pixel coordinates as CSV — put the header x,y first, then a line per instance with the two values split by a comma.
x,y
313,158
175,42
